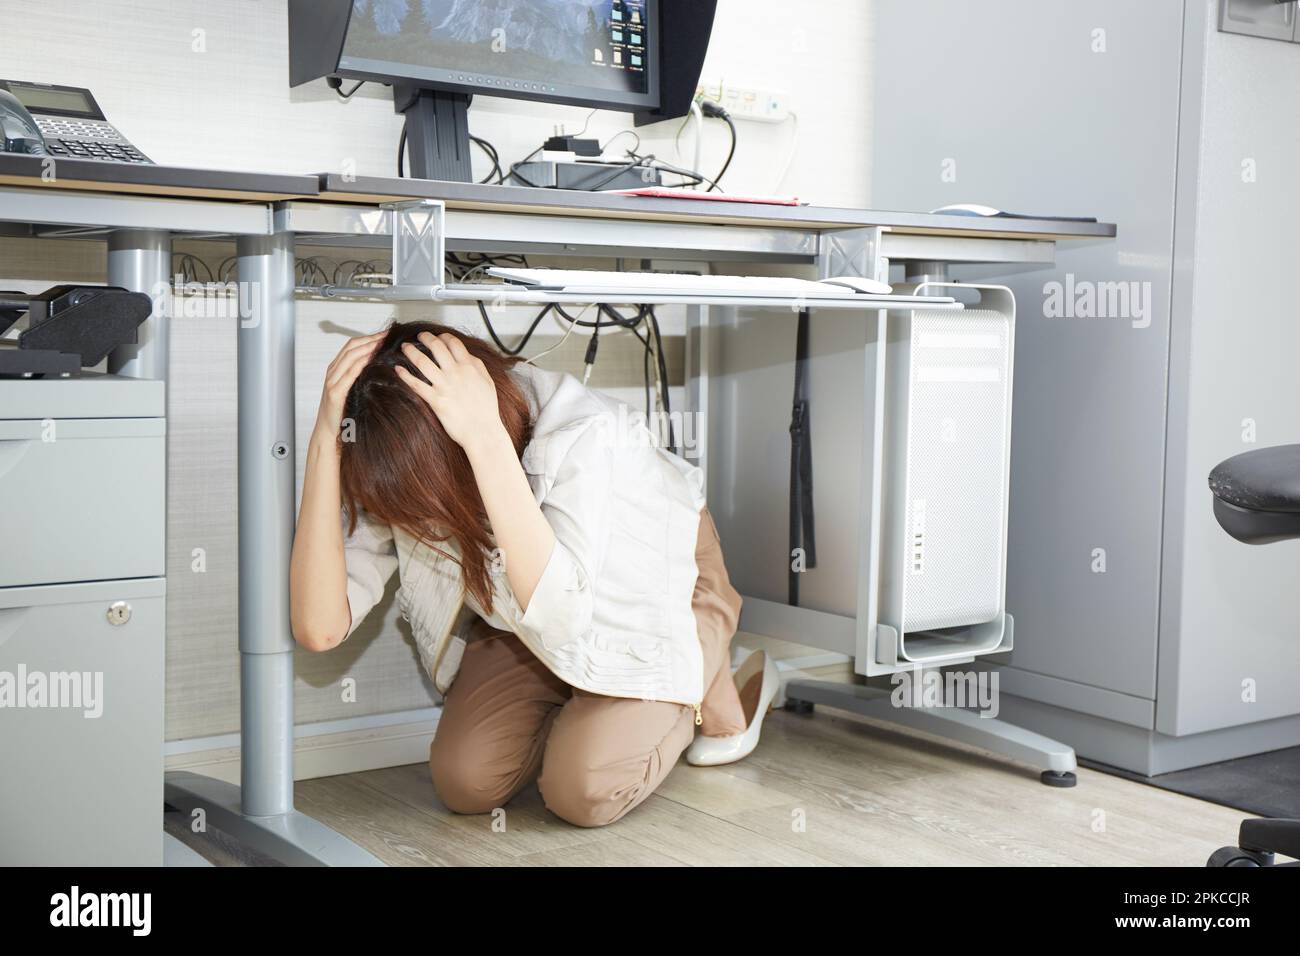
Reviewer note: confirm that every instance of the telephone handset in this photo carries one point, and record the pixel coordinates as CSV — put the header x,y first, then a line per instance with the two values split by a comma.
x,y
18,131
65,122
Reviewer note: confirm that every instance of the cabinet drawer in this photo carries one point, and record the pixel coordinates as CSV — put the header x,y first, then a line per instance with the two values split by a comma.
x,y
81,765
1258,18
84,500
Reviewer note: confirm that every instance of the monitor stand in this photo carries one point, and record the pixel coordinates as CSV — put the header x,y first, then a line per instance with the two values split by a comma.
x,y
437,133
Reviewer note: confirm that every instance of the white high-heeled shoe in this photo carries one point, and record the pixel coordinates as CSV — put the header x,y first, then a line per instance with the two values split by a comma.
x,y
757,681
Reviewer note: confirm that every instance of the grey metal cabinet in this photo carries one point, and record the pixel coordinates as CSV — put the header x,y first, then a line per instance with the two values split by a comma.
x,y
87,494
81,741
1145,637
82,621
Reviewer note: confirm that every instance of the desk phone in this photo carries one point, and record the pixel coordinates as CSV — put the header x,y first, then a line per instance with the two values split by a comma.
x,y
69,122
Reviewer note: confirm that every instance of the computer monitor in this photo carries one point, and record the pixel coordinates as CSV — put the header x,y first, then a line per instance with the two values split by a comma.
x,y
585,52
641,56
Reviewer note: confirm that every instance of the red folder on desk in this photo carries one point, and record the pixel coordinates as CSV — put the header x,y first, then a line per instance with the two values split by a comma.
x,y
667,192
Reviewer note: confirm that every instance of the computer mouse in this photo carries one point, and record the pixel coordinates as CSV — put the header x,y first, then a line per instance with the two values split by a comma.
x,y
861,284
967,209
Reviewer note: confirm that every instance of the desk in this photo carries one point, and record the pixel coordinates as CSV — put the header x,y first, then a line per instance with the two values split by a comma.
x,y
139,209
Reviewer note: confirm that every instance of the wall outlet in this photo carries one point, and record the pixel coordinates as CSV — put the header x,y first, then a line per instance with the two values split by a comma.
x,y
745,102
709,90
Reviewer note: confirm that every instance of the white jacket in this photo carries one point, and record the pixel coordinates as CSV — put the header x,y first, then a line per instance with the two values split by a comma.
x,y
612,611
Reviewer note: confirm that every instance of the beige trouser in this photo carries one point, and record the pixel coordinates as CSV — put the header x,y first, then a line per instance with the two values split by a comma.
x,y
507,718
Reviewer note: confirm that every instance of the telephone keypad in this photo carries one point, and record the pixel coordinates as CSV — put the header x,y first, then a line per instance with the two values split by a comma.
x,y
87,139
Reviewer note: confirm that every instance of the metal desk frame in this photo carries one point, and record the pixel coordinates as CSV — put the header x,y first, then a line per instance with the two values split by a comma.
x,y
139,230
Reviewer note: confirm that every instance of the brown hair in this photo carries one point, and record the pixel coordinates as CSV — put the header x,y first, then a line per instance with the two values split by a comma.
x,y
403,469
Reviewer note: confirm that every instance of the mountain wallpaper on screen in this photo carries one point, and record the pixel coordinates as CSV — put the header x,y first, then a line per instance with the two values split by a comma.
x,y
551,40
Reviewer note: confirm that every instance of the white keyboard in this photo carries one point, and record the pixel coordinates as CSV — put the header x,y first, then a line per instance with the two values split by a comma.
x,y
584,282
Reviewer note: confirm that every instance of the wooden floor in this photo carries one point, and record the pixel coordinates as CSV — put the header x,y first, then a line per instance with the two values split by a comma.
x,y
824,789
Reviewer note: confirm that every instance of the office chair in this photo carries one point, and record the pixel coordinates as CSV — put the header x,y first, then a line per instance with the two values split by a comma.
x,y
1257,501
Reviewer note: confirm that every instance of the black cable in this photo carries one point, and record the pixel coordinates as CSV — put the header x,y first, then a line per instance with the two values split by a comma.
x,y
586,123
514,174
619,171
519,346
187,263
626,132
621,320
591,347
491,151
663,379
651,161
628,324
589,360
714,111
337,85
645,368
310,269
488,149
338,269
367,268
731,153
691,174
606,314
474,259
514,169
802,535
691,177
634,161
461,268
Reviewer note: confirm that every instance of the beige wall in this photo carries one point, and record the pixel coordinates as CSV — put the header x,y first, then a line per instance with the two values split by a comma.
x,y
228,105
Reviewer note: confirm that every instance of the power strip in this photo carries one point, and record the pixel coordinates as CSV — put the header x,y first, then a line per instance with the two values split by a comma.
x,y
745,102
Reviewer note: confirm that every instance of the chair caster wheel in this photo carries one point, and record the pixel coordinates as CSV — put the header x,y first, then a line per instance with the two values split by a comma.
x,y
1055,778
799,706
1236,856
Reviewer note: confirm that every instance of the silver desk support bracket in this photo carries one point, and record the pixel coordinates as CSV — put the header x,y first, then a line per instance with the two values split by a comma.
x,y
418,233
419,230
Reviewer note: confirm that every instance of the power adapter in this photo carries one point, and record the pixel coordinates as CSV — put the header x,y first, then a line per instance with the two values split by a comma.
x,y
572,144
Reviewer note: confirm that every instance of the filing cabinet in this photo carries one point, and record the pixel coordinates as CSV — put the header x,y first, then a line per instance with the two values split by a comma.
x,y
82,621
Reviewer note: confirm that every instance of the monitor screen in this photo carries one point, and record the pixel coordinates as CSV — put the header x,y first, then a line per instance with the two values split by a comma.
x,y
597,52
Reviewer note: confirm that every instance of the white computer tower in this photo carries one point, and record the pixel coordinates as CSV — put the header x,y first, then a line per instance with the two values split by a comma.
x,y
947,441
911,439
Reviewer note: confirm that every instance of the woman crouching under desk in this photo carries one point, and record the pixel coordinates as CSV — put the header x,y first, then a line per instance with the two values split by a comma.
x,y
563,581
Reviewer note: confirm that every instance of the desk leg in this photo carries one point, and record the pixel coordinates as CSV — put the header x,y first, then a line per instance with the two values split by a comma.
x,y
140,260
1054,759
694,438
921,271
260,813
266,508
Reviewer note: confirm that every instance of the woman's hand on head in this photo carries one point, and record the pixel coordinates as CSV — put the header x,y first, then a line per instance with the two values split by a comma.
x,y
339,378
458,388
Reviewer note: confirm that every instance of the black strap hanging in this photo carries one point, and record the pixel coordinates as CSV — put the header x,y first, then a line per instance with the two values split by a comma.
x,y
802,527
